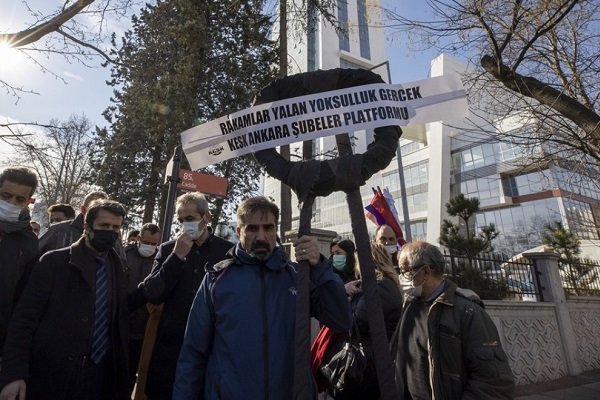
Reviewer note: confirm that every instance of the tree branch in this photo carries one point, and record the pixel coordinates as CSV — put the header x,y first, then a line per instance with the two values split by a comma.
x,y
31,35
89,46
530,87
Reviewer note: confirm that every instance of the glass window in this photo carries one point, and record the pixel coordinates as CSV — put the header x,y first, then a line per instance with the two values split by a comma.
x,y
418,230
416,174
477,156
467,159
580,219
411,147
471,187
344,40
363,29
391,181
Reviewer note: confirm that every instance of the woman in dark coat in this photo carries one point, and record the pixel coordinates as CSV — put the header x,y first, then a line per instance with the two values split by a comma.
x,y
391,302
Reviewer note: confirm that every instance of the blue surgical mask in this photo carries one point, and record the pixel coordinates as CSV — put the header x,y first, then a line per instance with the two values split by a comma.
x,y
339,261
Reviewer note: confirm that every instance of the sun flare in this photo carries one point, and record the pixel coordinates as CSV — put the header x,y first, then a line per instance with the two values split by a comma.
x,y
10,58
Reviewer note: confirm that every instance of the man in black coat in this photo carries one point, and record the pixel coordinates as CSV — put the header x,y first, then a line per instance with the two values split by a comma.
x,y
176,276
67,338
65,233
18,243
140,257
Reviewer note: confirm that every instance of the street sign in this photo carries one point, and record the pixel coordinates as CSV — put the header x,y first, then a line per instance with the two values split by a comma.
x,y
204,183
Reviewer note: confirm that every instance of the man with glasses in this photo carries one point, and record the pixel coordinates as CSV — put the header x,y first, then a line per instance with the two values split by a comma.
x,y
445,346
176,275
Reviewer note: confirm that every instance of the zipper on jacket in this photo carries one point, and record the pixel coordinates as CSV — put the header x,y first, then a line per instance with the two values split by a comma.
x,y
265,333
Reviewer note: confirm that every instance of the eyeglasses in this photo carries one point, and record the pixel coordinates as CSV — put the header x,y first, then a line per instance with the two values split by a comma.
x,y
410,274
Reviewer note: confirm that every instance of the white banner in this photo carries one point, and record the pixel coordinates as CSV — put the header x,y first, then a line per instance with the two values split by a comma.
x,y
324,114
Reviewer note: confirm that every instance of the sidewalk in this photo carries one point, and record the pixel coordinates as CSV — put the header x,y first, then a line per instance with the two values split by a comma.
x,y
581,387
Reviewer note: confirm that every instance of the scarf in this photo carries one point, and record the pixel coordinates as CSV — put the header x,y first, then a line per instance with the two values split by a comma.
x,y
7,227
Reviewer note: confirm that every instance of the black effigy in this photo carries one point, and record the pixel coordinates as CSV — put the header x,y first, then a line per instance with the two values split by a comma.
x,y
345,173
311,178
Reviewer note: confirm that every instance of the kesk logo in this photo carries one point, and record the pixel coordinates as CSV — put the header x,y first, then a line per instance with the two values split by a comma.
x,y
293,290
216,150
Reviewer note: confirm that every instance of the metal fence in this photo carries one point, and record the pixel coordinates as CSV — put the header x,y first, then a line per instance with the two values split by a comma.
x,y
493,277
580,277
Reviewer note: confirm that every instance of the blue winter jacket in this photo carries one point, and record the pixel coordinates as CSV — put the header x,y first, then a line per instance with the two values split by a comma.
x,y
239,341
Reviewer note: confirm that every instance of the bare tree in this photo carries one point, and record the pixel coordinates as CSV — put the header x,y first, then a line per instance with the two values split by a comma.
x,y
61,157
76,29
537,61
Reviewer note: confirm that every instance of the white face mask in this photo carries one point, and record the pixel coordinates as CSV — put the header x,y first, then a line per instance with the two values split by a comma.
x,y
417,291
9,212
146,250
194,228
391,248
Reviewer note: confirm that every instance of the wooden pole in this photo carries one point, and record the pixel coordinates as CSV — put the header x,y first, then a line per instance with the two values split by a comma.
x,y
303,386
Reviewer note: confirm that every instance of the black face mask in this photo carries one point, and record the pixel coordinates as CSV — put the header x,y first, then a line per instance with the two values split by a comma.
x,y
103,240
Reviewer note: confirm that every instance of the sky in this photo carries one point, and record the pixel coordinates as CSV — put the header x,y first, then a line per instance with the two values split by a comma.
x,y
79,89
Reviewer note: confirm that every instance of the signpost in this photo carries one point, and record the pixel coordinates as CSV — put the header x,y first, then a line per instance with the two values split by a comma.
x,y
198,182
190,181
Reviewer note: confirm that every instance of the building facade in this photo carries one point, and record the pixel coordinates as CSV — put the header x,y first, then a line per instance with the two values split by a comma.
x,y
446,160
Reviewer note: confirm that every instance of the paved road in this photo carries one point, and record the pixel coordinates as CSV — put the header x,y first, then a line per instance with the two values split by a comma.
x,y
581,387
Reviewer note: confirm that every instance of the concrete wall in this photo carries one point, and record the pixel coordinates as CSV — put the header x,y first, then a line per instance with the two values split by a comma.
x,y
551,339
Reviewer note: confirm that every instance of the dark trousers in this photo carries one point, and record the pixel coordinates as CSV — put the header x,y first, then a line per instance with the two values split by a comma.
x,y
89,381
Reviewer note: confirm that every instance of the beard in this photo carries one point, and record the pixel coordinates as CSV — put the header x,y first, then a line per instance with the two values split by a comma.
x,y
261,250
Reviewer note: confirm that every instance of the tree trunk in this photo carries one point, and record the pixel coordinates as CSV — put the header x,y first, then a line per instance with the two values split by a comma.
x,y
218,209
153,185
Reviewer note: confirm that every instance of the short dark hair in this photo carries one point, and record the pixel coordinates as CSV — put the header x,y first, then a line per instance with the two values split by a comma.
x,y
103,204
254,204
66,209
95,195
152,228
134,232
20,175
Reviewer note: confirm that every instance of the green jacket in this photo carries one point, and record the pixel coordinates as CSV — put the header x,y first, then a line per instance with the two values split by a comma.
x,y
466,359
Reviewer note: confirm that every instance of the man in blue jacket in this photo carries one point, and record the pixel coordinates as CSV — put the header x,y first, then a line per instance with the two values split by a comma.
x,y
239,341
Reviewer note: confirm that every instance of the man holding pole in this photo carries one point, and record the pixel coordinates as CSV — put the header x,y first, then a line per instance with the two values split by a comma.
x,y
240,336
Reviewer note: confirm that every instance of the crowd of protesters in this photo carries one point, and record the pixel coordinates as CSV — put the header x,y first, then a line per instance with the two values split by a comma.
x,y
85,314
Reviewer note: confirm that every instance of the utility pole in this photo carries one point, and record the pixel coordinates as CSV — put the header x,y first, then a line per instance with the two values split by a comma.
x,y
170,206
285,223
405,216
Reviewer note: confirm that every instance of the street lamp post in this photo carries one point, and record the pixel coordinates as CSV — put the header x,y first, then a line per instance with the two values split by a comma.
x,y
406,218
